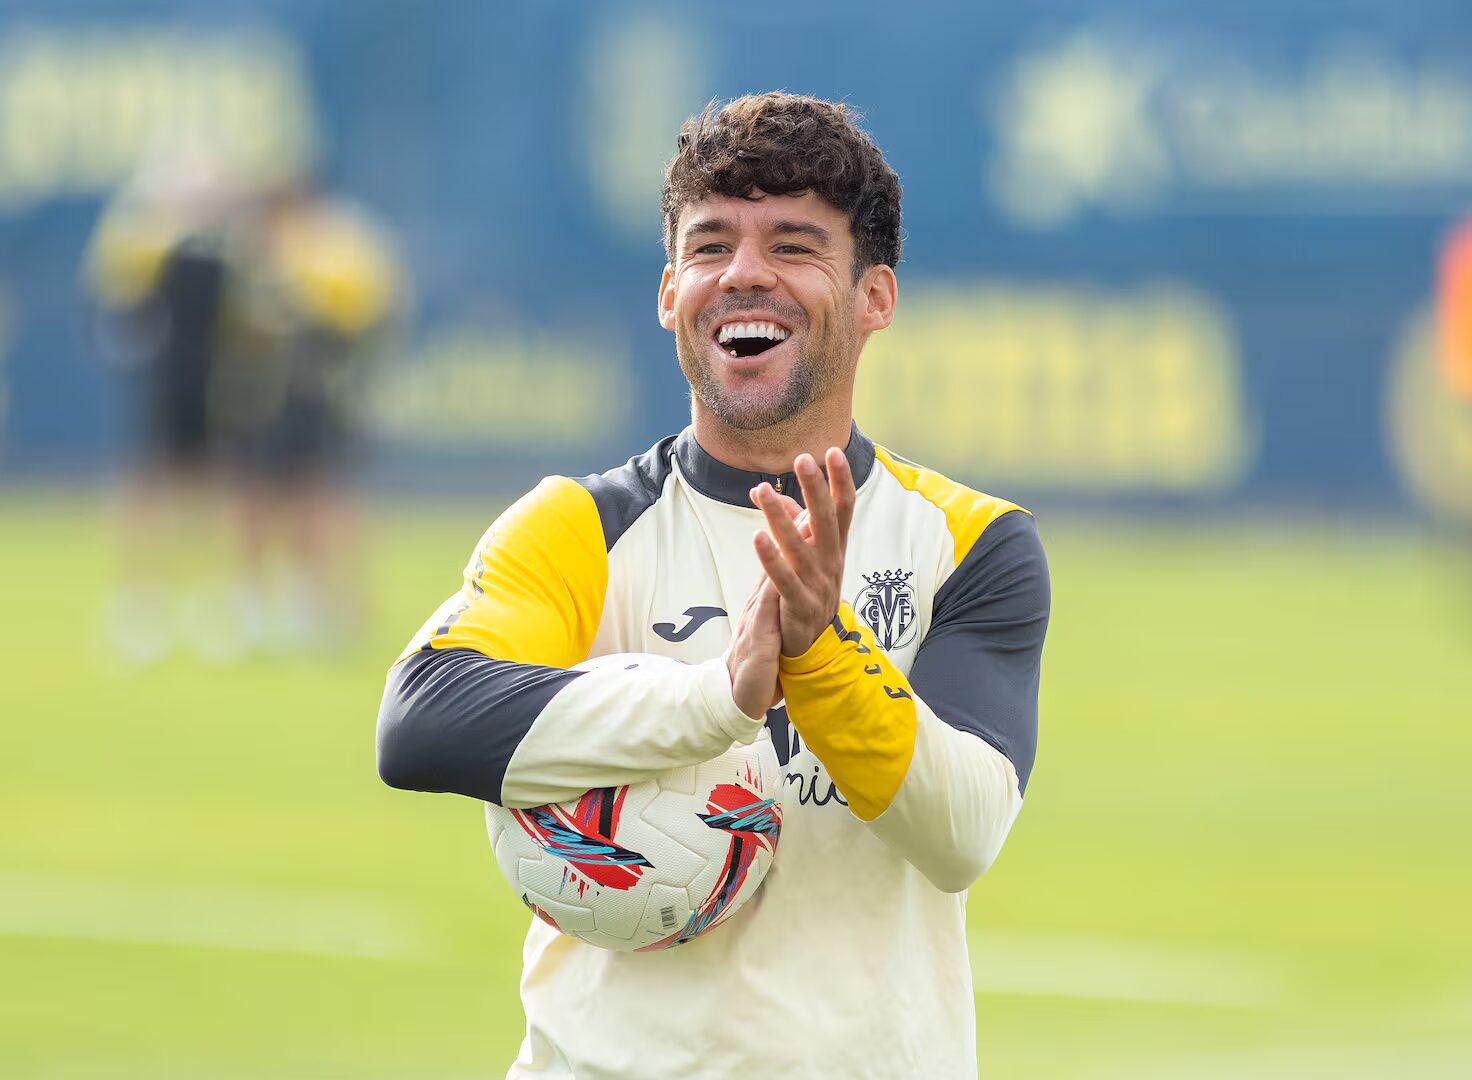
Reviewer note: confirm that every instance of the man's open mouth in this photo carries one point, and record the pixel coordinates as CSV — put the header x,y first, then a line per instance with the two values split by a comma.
x,y
743,339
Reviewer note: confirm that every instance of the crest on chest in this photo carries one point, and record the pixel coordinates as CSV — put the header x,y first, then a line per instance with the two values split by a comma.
x,y
887,606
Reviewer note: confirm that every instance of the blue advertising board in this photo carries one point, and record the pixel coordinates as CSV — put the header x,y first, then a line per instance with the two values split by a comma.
x,y
1155,252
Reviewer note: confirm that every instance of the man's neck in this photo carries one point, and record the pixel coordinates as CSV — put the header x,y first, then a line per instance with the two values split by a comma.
x,y
773,449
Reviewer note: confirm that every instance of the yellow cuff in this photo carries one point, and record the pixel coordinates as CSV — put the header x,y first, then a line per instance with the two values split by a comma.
x,y
827,648
854,711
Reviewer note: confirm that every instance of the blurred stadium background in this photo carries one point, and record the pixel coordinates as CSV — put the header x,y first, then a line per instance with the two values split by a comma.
x,y
1188,281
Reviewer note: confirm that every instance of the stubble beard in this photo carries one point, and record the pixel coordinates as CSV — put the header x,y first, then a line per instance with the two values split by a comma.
x,y
818,366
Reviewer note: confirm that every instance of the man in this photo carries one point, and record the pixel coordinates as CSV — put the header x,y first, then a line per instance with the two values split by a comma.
x,y
900,615
160,270
322,289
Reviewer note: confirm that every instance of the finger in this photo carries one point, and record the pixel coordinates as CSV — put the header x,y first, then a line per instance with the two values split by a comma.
x,y
780,573
800,517
768,617
804,525
784,530
794,510
820,507
768,603
789,504
753,598
844,494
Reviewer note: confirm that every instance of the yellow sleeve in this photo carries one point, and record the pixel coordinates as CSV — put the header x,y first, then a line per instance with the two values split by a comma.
x,y
855,711
339,270
534,587
126,254
478,705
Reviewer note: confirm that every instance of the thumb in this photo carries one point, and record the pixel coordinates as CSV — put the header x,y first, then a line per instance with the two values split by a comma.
x,y
768,603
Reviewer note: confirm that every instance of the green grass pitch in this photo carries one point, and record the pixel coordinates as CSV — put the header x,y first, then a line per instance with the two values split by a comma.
x,y
1244,852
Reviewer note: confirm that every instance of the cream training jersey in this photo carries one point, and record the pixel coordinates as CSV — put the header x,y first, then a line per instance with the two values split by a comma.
x,y
906,736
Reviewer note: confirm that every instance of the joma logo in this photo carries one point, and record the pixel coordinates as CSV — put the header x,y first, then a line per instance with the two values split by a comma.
x,y
698,617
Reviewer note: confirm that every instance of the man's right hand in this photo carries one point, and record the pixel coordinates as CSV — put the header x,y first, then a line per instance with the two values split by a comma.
x,y
756,645
755,651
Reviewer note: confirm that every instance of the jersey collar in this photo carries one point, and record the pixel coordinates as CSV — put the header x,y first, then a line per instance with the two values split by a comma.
x,y
728,484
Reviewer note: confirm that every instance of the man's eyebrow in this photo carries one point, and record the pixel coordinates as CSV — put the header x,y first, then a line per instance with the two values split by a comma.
x,y
706,226
803,228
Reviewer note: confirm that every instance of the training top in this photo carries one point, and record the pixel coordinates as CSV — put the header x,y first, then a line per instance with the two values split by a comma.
x,y
906,737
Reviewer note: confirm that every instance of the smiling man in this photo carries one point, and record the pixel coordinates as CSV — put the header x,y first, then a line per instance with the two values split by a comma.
x,y
882,621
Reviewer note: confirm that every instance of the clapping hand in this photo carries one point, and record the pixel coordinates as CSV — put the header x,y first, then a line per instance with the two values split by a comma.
x,y
799,592
803,552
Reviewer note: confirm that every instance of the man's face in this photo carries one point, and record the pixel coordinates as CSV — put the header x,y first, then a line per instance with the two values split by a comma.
x,y
762,301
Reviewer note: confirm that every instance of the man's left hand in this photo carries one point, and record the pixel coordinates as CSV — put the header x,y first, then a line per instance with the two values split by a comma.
x,y
807,570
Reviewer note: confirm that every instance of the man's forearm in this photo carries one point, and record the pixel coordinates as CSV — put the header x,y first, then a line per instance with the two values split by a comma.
x,y
523,734
952,814
943,798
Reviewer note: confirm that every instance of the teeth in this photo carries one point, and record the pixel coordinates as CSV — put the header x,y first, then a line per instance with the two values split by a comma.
x,y
750,330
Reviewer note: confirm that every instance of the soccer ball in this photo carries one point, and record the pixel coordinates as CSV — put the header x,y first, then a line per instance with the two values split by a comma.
x,y
649,865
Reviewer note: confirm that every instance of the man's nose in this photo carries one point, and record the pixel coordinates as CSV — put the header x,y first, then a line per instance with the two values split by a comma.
x,y
748,269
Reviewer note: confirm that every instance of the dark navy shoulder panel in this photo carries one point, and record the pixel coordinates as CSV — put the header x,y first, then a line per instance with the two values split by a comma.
x,y
624,493
978,667
1006,555
451,719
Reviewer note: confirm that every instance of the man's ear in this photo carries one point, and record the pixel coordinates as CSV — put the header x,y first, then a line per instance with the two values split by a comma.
x,y
667,298
878,291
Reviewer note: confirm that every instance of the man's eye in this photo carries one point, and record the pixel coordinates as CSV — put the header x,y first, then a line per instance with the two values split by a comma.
x,y
790,249
712,249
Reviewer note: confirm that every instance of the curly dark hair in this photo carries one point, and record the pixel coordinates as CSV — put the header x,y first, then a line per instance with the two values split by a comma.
x,y
786,144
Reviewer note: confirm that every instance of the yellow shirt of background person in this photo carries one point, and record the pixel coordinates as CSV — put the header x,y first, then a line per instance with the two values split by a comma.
x,y
1454,309
127,252
337,269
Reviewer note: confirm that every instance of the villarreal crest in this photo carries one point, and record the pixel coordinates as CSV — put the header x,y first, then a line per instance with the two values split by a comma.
x,y
887,604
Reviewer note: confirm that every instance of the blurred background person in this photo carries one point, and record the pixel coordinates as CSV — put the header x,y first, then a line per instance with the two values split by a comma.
x,y
320,292
158,270
1454,307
